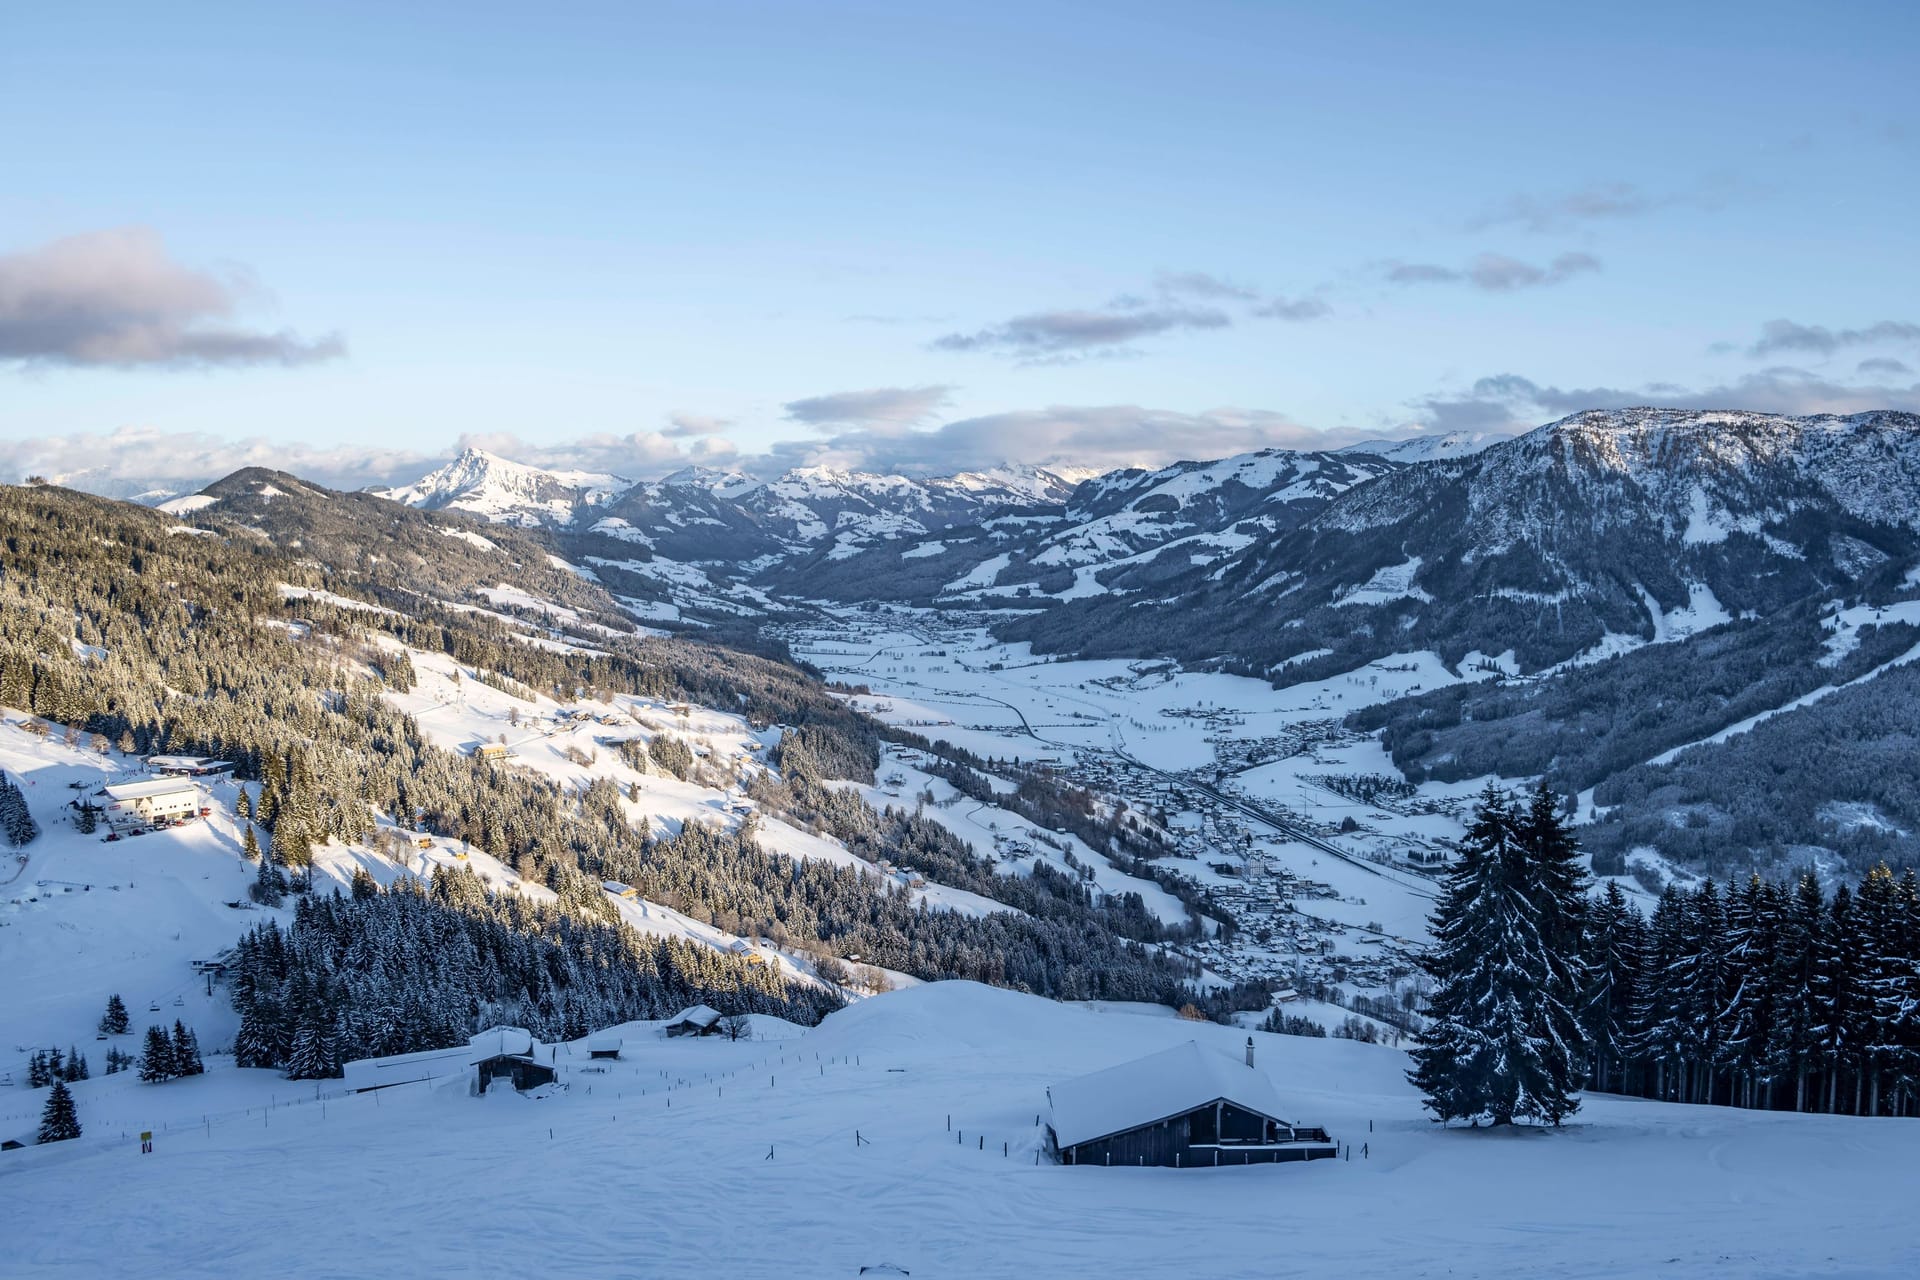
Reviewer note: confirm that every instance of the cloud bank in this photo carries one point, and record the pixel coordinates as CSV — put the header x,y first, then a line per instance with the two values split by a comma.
x,y
114,299
1509,402
897,406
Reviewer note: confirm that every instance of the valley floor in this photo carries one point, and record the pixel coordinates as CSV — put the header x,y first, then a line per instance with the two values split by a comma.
x,y
660,1167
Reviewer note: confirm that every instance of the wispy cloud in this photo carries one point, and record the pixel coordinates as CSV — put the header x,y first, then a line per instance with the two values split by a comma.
x,y
685,426
1046,333
1494,272
1198,284
1179,302
1777,336
115,299
1607,202
897,406
1598,200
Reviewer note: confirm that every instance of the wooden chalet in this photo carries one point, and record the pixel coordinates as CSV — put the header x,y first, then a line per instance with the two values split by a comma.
x,y
700,1020
1184,1107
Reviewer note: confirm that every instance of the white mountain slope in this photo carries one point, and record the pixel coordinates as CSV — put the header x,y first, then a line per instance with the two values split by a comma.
x,y
901,1137
506,492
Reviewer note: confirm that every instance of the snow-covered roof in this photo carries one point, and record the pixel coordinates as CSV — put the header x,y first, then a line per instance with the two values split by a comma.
x,y
147,790
497,1042
1154,1088
604,1043
428,1064
699,1015
175,762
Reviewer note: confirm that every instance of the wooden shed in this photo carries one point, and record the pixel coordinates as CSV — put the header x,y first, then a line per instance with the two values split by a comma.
x,y
696,1021
1184,1107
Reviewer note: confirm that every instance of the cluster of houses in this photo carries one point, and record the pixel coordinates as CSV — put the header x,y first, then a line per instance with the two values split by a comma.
x,y
505,1053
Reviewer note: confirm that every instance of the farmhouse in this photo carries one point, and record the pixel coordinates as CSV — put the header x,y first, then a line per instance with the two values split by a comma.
x,y
603,1045
1183,1107
497,1053
619,890
697,1021
491,751
157,800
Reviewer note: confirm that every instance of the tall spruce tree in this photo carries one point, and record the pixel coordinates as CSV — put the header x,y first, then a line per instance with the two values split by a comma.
x,y
186,1051
156,1061
1495,1044
17,827
1615,935
114,1021
1797,1014
61,1119
1751,944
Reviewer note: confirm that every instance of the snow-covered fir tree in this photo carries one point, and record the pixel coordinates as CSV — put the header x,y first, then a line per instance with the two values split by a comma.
x,y
156,1060
1497,1042
60,1121
114,1021
17,827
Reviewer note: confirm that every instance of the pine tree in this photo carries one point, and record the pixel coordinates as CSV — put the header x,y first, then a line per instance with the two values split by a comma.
x,y
364,885
39,1076
17,827
1886,980
186,1051
1556,886
156,1062
250,844
1840,1035
1615,935
114,1021
1796,1010
1657,1034
243,807
1494,1045
1752,945
269,887
61,1120
77,1069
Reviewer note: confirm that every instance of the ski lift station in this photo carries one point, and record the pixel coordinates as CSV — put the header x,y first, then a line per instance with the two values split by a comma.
x,y
156,801
1184,1107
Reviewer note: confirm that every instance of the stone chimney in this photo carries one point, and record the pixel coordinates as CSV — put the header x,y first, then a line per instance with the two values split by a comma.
x,y
1249,1050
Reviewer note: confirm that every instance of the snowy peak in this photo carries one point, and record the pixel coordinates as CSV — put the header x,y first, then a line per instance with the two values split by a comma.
x,y
1429,448
509,492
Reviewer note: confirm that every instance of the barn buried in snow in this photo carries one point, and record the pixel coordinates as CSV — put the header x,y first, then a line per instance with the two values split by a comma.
x,y
1183,1107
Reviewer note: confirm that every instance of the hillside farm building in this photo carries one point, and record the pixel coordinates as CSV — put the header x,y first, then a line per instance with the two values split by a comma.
x,y
508,1053
1184,1107
697,1021
491,751
155,801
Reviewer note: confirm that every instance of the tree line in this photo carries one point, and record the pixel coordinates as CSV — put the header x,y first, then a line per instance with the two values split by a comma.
x,y
1773,996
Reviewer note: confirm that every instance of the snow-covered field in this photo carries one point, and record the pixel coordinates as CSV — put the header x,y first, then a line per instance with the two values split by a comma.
x,y
660,1166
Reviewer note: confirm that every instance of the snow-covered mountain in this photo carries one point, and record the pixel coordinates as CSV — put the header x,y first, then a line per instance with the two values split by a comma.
x,y
1596,532
708,516
507,492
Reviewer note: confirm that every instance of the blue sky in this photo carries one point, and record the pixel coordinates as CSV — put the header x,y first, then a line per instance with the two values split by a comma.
x,y
622,236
